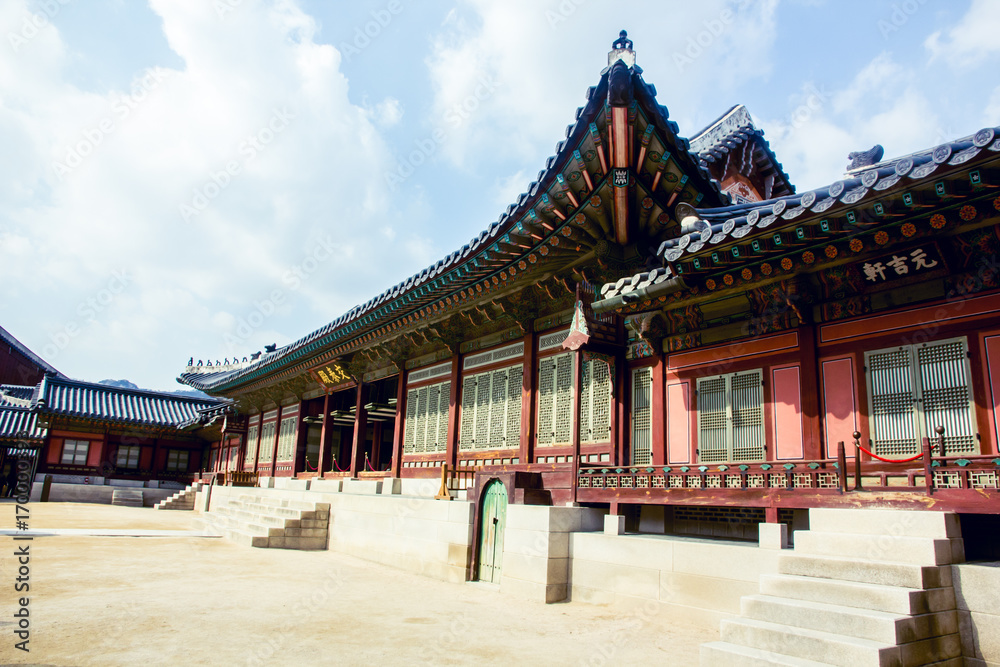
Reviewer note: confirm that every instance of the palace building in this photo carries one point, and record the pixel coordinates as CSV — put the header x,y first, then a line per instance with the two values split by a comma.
x,y
666,322
661,338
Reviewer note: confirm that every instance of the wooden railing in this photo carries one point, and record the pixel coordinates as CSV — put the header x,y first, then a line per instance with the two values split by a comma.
x,y
454,479
957,481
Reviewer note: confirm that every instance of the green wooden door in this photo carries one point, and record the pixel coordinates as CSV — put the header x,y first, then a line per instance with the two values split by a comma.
x,y
493,519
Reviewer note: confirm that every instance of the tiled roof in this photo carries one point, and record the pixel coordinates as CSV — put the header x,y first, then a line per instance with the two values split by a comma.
x,y
19,424
15,395
726,226
735,131
459,269
7,338
87,400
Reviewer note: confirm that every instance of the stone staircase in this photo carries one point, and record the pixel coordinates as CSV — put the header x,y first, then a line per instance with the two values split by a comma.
x,y
262,521
127,497
862,587
182,500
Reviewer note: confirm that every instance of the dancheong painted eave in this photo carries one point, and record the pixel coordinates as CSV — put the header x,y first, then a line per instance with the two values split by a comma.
x,y
730,247
520,239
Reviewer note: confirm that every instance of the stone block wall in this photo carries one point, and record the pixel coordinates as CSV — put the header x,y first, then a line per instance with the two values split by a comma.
x,y
977,593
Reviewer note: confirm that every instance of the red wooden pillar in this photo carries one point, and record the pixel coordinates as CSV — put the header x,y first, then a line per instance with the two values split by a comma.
x,y
324,433
301,433
620,412
376,446
451,454
810,390
397,431
260,433
658,412
575,417
274,448
153,467
360,431
529,400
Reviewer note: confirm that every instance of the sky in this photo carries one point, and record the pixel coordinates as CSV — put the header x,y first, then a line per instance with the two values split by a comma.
x,y
201,178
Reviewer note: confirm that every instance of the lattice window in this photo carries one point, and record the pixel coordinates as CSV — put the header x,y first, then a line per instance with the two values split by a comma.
x,y
913,389
595,402
410,419
251,453
426,426
75,452
177,460
491,409
731,417
266,442
642,429
555,392
286,439
128,456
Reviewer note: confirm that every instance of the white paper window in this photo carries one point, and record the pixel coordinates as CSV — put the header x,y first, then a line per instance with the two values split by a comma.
x,y
251,452
491,409
74,452
642,425
555,393
731,417
426,426
912,390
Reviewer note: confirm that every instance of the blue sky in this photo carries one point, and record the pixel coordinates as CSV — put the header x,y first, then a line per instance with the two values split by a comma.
x,y
205,177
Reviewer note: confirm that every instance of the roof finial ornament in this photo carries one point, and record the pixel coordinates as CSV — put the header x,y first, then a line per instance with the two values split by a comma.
x,y
621,49
866,158
623,42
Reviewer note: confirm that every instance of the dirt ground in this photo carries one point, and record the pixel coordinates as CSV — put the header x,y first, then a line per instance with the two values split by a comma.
x,y
118,600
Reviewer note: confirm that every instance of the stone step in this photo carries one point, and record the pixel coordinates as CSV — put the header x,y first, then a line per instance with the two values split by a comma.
x,y
881,548
887,574
808,644
304,532
281,502
870,624
298,543
714,654
127,497
246,539
885,522
893,599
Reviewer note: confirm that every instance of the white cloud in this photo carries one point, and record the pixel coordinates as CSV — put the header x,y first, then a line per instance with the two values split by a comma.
x,y
304,191
501,99
388,112
972,40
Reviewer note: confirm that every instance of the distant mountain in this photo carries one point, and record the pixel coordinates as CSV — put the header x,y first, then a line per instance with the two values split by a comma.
x,y
125,384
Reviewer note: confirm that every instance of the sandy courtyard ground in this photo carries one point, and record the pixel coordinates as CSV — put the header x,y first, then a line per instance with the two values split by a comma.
x,y
118,600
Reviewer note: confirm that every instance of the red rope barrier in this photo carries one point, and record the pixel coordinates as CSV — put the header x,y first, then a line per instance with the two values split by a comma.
x,y
876,456
339,469
308,467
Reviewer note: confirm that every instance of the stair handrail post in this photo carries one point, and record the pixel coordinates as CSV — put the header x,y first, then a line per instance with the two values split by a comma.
x,y
928,474
842,466
940,441
857,461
